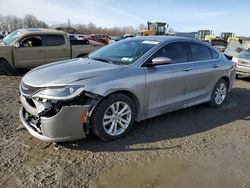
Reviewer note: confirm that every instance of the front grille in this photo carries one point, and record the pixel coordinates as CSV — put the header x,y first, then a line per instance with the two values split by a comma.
x,y
28,90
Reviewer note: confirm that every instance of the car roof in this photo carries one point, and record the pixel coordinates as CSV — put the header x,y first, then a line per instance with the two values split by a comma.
x,y
168,38
165,39
40,30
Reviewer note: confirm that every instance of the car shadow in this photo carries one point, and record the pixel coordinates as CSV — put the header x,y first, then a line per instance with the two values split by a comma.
x,y
182,123
245,78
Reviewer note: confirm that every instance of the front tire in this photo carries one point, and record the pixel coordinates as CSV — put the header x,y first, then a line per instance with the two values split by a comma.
x,y
113,117
219,93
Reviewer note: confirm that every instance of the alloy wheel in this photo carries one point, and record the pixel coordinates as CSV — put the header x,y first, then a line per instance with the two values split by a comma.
x,y
117,118
220,93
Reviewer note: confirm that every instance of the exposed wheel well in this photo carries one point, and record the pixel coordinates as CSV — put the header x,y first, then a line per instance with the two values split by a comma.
x,y
132,97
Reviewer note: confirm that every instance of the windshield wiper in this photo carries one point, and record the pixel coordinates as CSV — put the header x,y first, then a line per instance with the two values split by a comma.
x,y
103,60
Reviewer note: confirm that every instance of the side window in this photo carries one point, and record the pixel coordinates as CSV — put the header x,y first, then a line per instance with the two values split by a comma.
x,y
200,52
177,52
31,41
53,40
214,54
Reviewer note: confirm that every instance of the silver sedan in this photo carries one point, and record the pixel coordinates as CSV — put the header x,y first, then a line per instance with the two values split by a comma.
x,y
131,80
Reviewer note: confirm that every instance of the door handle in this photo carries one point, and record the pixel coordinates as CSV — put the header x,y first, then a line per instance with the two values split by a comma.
x,y
215,66
187,69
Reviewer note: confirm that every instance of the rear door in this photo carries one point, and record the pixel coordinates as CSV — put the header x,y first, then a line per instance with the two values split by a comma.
x,y
57,48
204,71
30,53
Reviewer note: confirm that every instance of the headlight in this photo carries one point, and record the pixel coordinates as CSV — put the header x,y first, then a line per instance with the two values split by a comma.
x,y
64,93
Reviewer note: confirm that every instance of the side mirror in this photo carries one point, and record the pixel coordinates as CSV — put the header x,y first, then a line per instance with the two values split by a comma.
x,y
17,45
161,61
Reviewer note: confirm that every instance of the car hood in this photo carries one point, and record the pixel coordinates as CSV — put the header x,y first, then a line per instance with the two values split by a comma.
x,y
65,72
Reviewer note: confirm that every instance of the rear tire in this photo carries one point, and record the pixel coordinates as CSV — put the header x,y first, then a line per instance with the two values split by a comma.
x,y
219,93
113,117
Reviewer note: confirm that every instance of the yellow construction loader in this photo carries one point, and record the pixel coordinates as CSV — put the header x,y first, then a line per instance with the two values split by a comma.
x,y
204,34
208,36
154,28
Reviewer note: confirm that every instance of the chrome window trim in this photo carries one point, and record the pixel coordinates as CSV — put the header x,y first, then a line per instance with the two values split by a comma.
x,y
140,66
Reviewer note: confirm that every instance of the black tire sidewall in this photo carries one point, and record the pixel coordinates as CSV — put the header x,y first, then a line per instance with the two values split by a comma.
x,y
98,113
7,69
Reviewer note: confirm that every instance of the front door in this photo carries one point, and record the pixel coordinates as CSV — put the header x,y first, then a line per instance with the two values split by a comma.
x,y
166,85
30,52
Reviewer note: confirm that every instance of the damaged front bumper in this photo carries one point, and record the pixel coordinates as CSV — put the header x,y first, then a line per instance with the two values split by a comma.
x,y
65,125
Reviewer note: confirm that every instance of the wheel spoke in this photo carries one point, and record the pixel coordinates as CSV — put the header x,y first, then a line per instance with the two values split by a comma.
x,y
122,125
217,100
123,109
110,130
112,107
221,86
124,120
107,117
107,122
115,129
125,113
223,91
117,107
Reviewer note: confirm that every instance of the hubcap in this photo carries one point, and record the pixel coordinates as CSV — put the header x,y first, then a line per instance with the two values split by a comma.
x,y
220,93
117,118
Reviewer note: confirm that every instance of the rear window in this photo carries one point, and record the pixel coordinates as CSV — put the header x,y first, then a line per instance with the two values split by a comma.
x,y
214,54
200,52
54,40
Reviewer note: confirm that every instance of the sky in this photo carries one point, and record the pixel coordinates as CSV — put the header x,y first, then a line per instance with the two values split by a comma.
x,y
182,16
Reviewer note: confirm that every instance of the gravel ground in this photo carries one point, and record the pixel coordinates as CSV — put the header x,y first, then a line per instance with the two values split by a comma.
x,y
194,147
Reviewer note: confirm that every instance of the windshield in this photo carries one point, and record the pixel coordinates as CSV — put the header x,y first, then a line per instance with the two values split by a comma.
x,y
10,39
124,52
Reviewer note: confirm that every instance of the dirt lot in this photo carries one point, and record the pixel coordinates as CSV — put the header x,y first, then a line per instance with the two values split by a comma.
x,y
195,147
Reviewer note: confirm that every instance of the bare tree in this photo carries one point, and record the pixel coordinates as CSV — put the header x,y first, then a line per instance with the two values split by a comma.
x,y
31,21
68,23
12,22
142,27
